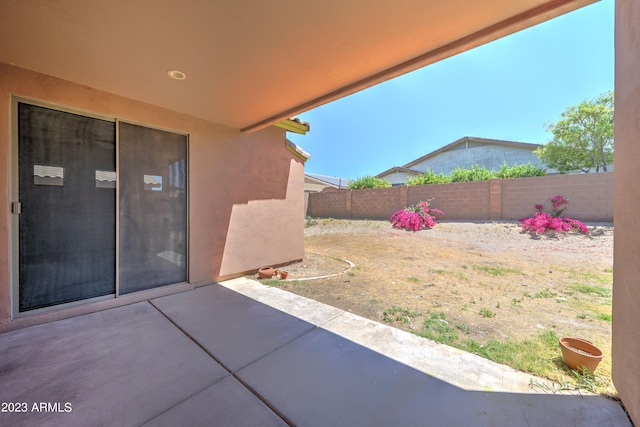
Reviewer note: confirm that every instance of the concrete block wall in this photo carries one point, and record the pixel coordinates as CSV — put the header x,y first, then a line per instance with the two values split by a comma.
x,y
330,204
590,199
378,203
590,195
458,200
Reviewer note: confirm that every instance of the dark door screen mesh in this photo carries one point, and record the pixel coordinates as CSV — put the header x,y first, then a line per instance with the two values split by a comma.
x,y
153,208
67,229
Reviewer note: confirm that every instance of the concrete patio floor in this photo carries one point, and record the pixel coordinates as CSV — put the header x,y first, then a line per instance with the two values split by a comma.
x,y
242,354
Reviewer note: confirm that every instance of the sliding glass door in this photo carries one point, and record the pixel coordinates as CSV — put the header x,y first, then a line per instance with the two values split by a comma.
x,y
74,242
153,208
67,224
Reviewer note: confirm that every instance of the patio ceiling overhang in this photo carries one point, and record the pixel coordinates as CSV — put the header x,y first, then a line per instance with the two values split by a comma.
x,y
251,64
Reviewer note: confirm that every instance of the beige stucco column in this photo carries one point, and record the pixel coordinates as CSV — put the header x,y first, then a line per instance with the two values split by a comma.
x,y
626,275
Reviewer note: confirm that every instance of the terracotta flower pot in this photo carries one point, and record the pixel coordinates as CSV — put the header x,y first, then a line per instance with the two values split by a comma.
x,y
283,274
580,354
266,273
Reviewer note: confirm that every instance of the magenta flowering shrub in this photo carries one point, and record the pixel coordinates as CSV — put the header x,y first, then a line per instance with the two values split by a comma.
x,y
552,219
558,205
415,217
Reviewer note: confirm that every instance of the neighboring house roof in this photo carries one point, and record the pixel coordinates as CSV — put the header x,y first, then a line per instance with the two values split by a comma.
x,y
330,181
398,169
248,65
409,167
468,139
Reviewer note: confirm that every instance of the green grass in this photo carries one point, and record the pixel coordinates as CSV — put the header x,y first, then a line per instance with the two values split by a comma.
x,y
413,279
529,355
598,290
586,380
534,355
460,275
438,329
485,312
545,294
310,222
601,278
464,328
539,355
496,271
604,316
397,314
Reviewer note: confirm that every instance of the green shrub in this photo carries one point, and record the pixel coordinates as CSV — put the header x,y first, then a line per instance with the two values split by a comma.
x,y
368,181
519,171
429,177
475,173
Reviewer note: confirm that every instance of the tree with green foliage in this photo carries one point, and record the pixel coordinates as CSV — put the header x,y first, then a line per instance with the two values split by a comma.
x,y
582,138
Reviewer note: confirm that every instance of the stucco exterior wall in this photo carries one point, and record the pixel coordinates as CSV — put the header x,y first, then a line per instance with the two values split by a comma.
x,y
626,268
246,202
488,155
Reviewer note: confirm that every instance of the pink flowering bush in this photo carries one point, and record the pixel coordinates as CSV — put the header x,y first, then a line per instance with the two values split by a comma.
x,y
552,219
415,217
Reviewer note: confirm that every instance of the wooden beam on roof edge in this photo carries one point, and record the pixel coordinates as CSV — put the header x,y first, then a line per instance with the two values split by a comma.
x,y
295,126
483,36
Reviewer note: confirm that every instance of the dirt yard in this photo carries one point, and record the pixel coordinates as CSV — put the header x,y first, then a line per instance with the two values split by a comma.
x,y
490,280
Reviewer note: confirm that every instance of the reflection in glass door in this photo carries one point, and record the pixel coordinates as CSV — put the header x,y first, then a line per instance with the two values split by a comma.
x,y
153,208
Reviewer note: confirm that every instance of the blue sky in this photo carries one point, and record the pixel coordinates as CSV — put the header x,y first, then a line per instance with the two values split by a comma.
x,y
508,89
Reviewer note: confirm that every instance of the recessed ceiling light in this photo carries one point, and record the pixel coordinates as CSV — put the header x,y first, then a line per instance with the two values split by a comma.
x,y
175,74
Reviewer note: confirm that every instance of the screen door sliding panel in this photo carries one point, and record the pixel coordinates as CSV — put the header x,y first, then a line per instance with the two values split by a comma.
x,y
67,224
153,208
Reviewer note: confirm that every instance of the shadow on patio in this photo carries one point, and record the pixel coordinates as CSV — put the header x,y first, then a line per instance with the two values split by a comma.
x,y
243,354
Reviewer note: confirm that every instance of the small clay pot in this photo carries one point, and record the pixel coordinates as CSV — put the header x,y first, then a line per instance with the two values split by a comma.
x,y
283,274
266,273
580,354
